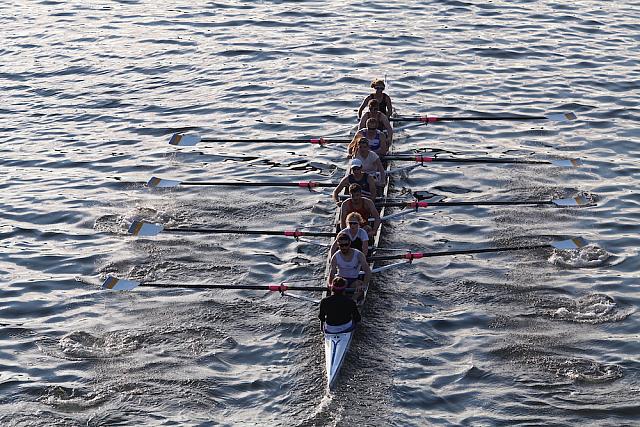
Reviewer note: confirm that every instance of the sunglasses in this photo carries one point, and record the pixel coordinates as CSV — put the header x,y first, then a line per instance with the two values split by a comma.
x,y
356,167
379,87
353,223
344,244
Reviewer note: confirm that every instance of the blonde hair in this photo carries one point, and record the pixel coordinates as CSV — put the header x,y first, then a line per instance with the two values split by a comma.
x,y
356,216
376,82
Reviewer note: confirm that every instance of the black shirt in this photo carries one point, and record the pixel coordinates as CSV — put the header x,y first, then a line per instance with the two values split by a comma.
x,y
338,309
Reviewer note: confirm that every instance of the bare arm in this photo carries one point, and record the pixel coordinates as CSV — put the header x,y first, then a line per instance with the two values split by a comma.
x,y
334,247
332,269
365,247
341,186
384,144
372,187
363,105
381,170
389,104
343,216
365,268
387,125
363,120
376,216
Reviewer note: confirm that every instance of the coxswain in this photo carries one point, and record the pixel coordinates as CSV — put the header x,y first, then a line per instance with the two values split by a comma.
x,y
356,176
383,120
338,312
384,100
377,139
358,235
363,206
347,263
371,163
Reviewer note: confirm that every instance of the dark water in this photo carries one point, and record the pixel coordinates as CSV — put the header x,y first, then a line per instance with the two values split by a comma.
x,y
90,96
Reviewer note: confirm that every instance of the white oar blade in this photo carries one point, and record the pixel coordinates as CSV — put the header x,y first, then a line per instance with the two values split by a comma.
x,y
185,139
116,284
562,117
162,183
570,163
574,201
575,243
145,229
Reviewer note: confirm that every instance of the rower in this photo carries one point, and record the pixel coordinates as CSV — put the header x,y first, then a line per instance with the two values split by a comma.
x,y
356,176
383,120
371,163
377,138
359,236
347,263
365,207
338,312
384,100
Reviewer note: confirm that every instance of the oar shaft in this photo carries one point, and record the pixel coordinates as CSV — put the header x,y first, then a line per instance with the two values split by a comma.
x,y
305,184
292,233
426,159
417,255
278,288
282,141
479,203
460,119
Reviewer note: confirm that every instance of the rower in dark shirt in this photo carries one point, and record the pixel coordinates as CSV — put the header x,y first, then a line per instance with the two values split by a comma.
x,y
338,312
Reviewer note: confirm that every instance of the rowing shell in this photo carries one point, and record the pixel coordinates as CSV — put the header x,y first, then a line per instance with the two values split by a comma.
x,y
336,346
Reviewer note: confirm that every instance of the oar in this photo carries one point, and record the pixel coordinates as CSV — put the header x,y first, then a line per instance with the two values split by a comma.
x,y
116,284
556,117
142,228
155,182
570,244
191,139
427,159
570,202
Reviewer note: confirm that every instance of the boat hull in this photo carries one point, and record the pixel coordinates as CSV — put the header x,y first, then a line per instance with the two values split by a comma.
x,y
336,346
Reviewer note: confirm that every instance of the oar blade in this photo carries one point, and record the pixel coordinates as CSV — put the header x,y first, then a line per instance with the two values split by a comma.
x,y
569,163
575,243
185,139
562,117
116,284
145,229
572,201
155,182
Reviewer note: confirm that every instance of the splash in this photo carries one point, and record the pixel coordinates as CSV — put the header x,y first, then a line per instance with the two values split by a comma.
x,y
588,256
595,308
83,345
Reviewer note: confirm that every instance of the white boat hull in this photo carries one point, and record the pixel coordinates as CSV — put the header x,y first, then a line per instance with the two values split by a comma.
x,y
336,347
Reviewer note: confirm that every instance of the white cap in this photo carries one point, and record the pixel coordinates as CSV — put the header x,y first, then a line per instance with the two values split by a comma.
x,y
356,163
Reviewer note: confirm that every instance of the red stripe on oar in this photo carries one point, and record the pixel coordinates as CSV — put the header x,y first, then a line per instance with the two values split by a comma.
x,y
308,184
417,204
427,119
317,140
278,288
294,233
414,255
421,159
